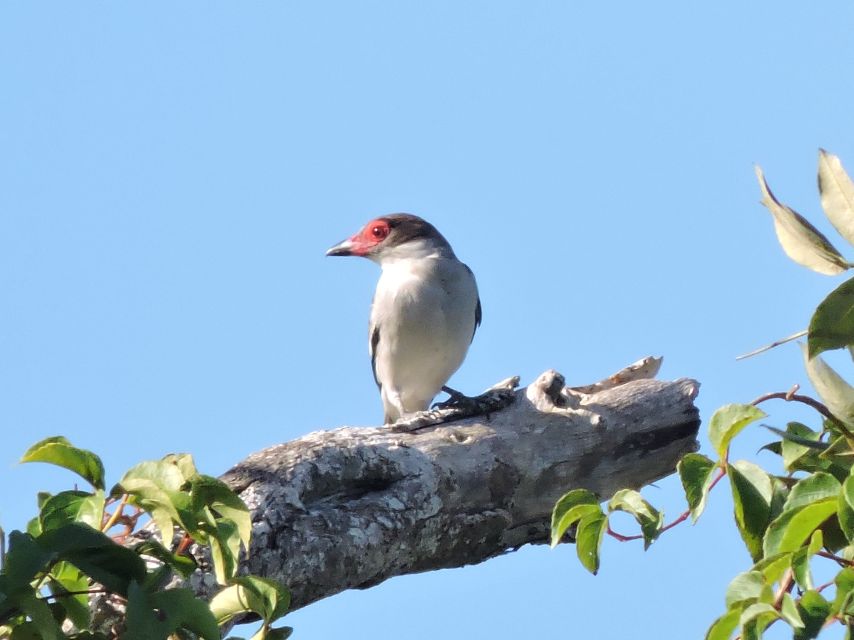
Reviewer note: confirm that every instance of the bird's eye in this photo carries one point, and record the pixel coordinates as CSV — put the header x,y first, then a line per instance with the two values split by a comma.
x,y
378,230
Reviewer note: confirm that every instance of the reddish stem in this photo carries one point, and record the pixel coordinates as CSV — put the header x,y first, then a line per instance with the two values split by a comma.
x,y
790,396
682,518
186,541
824,586
835,558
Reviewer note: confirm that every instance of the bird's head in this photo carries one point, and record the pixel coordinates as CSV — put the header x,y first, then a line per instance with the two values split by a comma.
x,y
394,237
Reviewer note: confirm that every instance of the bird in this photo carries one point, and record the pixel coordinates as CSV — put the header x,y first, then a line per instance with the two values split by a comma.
x,y
424,314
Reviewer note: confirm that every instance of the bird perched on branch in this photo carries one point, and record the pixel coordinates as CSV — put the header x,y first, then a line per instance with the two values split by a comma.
x,y
425,310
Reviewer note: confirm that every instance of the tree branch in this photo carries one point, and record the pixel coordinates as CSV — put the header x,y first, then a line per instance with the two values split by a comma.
x,y
352,507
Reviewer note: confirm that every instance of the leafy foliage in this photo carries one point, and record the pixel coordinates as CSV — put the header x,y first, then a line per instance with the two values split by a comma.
x,y
793,518
78,546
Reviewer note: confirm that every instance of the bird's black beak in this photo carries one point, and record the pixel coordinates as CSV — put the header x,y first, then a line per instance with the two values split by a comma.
x,y
344,248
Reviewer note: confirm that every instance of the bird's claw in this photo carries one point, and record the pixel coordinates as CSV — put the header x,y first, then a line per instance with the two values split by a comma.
x,y
459,406
456,400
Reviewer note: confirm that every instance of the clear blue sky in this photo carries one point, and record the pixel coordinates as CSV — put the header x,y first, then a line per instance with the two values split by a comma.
x,y
171,174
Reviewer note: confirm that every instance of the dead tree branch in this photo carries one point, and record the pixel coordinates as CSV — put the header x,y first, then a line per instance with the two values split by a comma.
x,y
352,507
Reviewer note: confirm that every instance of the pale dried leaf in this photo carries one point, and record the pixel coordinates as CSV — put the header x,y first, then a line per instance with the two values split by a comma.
x,y
801,241
837,194
837,394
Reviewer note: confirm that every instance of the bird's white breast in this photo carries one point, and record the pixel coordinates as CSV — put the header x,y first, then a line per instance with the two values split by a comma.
x,y
425,311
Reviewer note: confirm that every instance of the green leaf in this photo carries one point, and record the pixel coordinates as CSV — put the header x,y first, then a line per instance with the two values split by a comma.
x,y
745,587
816,542
758,615
276,596
846,508
588,540
752,493
217,496
773,567
570,508
72,506
723,627
162,613
801,241
789,612
225,550
184,463
39,612
728,421
834,539
64,579
696,472
164,519
832,324
266,598
185,565
773,447
795,443
814,611
808,442
143,623
837,194
802,435
157,578
24,560
811,489
801,568
839,448
781,493
844,582
95,554
801,560
152,475
156,487
647,516
60,452
794,526
845,512
183,610
279,633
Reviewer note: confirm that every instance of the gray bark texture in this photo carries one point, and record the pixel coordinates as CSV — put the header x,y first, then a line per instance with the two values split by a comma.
x,y
351,507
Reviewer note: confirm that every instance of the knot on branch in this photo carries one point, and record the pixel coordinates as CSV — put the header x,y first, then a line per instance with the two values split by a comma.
x,y
546,393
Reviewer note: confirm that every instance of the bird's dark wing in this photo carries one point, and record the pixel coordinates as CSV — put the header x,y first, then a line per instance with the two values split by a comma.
x,y
478,315
375,340
478,310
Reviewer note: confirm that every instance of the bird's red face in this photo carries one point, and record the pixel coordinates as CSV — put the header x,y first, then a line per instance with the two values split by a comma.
x,y
366,241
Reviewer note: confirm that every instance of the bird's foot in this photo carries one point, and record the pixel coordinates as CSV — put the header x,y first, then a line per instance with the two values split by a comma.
x,y
460,406
456,400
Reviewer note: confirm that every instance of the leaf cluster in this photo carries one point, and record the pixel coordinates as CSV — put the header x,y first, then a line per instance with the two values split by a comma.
x,y
87,543
791,519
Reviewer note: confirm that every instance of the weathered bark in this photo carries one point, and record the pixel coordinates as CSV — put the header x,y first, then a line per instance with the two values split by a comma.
x,y
352,507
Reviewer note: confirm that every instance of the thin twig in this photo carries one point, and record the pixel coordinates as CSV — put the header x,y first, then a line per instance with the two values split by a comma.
x,y
795,336
832,556
65,594
786,584
824,586
788,396
117,513
619,536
